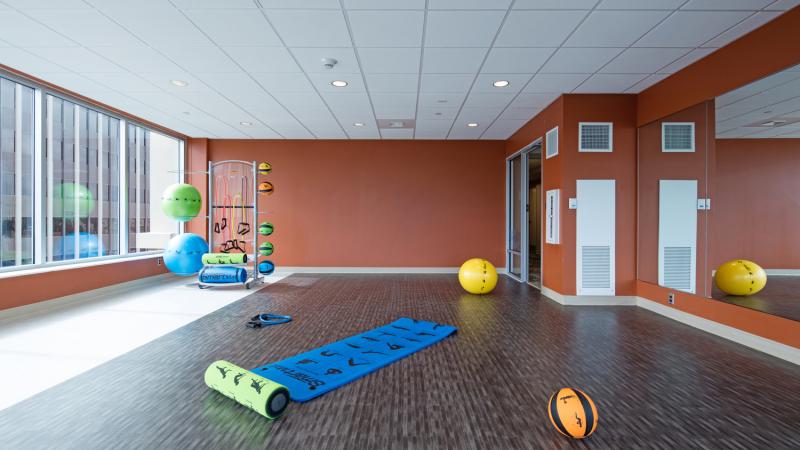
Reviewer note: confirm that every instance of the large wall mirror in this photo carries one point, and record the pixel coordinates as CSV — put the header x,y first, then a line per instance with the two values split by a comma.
x,y
719,198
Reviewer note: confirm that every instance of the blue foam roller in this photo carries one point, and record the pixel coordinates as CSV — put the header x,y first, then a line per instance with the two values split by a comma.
x,y
223,274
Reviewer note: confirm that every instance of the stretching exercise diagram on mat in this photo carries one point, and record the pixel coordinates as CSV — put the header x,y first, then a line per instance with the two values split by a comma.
x,y
311,374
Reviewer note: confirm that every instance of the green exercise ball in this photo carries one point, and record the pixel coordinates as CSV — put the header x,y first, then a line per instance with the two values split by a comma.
x,y
266,249
64,195
181,202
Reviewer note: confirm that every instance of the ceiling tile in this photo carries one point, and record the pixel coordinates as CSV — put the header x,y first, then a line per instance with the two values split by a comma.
x,y
480,100
262,59
205,58
526,100
389,60
162,26
609,83
386,28
348,104
317,28
646,83
484,83
294,4
109,5
19,30
614,28
27,62
452,60
550,30
644,60
215,4
580,60
462,28
728,5
393,112
469,4
690,28
555,4
294,100
384,4
783,5
363,133
47,4
746,26
503,129
516,60
639,4
310,59
283,82
437,113
137,59
392,82
441,99
519,113
432,129
555,82
394,100
460,129
436,83
89,28
79,58
124,82
400,133
684,61
234,26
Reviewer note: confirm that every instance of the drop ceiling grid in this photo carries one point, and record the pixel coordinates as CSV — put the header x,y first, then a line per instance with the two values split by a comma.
x,y
220,49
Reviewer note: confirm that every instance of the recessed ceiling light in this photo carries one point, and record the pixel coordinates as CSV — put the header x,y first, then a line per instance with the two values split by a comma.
x,y
339,83
358,124
472,124
179,83
500,83
247,124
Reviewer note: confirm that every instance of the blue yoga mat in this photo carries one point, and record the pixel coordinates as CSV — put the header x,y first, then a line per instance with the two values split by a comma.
x,y
223,274
311,374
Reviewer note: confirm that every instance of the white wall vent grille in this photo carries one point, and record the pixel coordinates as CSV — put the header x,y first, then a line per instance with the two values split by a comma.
x,y
678,268
677,137
596,267
595,136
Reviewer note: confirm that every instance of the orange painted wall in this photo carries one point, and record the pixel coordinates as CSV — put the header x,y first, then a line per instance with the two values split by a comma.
x,y
655,165
553,263
380,203
764,51
756,206
26,289
196,163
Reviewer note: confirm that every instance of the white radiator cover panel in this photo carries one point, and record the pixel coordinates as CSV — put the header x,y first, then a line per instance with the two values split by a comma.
x,y
677,234
596,237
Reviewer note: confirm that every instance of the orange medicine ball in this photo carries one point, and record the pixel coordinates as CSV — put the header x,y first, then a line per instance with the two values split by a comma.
x,y
266,188
573,413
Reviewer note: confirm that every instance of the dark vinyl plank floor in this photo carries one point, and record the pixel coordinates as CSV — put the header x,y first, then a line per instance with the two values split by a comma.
x,y
780,297
657,383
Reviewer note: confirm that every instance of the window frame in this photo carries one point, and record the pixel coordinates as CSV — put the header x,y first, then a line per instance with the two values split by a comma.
x,y
41,92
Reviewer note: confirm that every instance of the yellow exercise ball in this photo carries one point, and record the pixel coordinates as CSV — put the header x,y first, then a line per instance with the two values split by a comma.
x,y
740,277
477,276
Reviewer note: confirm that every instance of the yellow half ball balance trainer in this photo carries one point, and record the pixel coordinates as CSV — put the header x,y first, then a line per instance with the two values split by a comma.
x,y
573,413
264,168
477,276
740,277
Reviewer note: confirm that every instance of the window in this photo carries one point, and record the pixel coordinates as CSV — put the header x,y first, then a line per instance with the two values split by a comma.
x,y
154,160
77,182
81,165
16,173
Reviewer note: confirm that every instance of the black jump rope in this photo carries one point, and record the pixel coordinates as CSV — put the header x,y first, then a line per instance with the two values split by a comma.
x,y
265,320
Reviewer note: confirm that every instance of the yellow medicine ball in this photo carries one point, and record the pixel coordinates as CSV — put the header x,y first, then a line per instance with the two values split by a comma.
x,y
740,277
477,276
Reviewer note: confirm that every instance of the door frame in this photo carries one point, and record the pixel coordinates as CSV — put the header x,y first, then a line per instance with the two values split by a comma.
x,y
524,153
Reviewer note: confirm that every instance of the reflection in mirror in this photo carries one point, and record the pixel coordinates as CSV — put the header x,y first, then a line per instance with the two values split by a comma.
x,y
673,176
755,216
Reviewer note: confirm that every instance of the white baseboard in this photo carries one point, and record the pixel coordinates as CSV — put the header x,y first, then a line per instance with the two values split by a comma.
x,y
783,272
753,341
81,297
420,270
589,300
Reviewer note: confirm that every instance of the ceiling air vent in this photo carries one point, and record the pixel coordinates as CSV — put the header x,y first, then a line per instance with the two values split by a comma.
x,y
396,124
595,136
551,143
677,137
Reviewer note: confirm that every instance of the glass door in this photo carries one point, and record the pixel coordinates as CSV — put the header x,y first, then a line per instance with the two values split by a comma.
x,y
515,216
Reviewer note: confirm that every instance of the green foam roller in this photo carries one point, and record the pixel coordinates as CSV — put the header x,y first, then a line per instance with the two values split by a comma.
x,y
224,258
263,396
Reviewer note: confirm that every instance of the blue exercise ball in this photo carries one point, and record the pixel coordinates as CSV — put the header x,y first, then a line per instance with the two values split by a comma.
x,y
183,254
266,267
88,246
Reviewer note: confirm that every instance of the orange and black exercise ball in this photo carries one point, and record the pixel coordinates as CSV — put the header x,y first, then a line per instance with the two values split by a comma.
x,y
266,188
572,413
